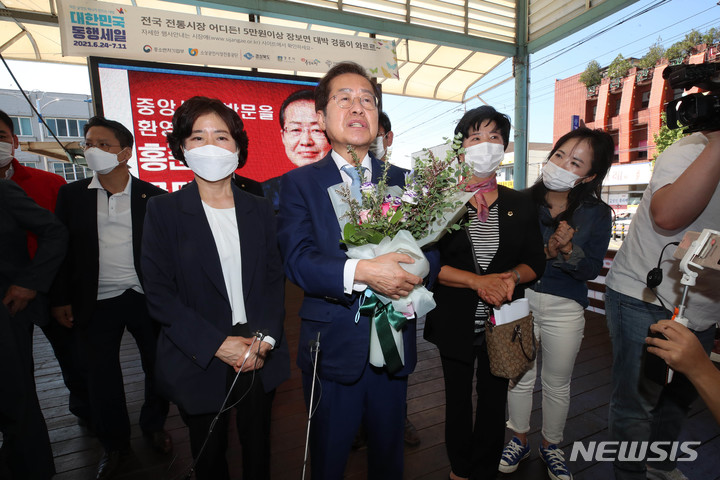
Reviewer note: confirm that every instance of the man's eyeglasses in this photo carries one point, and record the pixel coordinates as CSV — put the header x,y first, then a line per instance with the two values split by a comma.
x,y
297,132
102,146
345,100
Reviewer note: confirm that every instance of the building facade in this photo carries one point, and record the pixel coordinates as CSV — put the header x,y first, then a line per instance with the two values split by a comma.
x,y
65,114
629,109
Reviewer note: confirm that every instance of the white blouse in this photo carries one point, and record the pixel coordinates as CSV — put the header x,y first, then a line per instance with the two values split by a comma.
x,y
223,225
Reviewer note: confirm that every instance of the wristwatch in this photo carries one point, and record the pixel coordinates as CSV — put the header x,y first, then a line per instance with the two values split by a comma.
x,y
517,275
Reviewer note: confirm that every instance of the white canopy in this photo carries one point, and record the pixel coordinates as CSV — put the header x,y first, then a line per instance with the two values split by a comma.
x,y
444,47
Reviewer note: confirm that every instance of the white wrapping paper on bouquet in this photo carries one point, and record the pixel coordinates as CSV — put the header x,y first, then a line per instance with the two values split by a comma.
x,y
419,302
450,217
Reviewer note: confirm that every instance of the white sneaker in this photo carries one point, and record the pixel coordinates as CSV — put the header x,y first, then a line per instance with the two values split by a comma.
x,y
657,474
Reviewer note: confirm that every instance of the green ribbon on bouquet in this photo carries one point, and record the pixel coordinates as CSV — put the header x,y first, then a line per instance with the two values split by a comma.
x,y
385,317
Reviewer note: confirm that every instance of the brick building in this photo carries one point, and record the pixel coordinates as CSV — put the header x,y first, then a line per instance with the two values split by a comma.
x,y
629,109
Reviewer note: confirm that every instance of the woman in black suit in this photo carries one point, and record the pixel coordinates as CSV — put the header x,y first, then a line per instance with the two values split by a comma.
x,y
214,281
483,265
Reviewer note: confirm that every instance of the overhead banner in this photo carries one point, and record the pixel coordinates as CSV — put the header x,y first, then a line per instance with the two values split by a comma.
x,y
92,28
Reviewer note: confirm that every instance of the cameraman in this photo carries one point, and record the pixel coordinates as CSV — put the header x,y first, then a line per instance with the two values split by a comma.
x,y
683,195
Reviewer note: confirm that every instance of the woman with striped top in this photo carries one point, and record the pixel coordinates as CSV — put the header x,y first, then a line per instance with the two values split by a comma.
x,y
484,264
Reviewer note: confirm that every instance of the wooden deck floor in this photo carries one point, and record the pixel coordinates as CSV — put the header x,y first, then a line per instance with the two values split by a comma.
x,y
76,453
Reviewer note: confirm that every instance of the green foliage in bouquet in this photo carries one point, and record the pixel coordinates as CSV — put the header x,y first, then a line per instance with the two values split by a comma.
x,y
385,210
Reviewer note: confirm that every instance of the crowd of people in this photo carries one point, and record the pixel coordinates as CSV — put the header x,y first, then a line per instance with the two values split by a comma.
x,y
197,277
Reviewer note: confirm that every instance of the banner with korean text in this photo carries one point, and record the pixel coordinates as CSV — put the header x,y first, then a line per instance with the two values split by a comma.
x,y
93,28
144,96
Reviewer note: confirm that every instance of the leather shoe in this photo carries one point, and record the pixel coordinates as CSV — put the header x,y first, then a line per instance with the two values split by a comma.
x,y
412,439
161,441
110,463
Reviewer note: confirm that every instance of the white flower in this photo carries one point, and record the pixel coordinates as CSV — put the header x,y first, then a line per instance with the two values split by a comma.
x,y
409,197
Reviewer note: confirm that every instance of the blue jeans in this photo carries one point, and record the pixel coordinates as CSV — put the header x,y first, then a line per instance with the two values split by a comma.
x,y
640,409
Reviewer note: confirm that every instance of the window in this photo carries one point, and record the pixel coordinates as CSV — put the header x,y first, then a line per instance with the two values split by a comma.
x,y
70,171
505,174
22,126
65,127
645,100
640,136
590,111
613,105
616,137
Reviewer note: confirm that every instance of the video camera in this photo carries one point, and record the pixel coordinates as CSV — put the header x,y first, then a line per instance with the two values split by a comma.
x,y
696,111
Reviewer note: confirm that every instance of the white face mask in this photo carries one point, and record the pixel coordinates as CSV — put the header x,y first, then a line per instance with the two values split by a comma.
x,y
377,148
557,178
6,154
101,161
484,158
210,162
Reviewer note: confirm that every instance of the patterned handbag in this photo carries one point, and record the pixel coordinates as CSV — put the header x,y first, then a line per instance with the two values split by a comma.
x,y
512,347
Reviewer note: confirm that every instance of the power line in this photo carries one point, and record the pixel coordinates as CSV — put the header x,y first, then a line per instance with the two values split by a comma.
x,y
548,89
594,35
544,88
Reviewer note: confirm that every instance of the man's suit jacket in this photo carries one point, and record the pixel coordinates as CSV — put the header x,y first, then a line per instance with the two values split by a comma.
x,y
248,185
18,215
41,186
309,237
77,282
186,293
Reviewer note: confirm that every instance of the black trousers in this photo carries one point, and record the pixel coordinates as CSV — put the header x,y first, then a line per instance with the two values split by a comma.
x,y
474,448
252,418
64,343
99,342
26,451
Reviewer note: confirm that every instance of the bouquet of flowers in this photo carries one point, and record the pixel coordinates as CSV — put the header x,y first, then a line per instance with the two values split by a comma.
x,y
428,203
400,219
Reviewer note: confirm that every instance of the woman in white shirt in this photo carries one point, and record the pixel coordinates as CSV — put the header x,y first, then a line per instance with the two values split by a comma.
x,y
215,283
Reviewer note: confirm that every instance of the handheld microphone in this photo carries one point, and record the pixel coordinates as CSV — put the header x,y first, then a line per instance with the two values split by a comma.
x,y
314,348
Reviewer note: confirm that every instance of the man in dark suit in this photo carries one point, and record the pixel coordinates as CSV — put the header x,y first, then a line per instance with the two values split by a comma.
x,y
43,187
99,288
23,281
248,185
354,391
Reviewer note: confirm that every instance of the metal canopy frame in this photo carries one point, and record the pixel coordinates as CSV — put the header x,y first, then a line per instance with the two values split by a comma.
x,y
444,47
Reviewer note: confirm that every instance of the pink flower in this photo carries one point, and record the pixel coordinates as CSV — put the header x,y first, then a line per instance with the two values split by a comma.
x,y
385,207
363,216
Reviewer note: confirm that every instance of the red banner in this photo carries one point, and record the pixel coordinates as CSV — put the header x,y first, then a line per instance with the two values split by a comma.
x,y
155,96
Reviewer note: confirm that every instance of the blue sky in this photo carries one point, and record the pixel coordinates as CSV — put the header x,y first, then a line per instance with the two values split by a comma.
x,y
417,122
423,123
